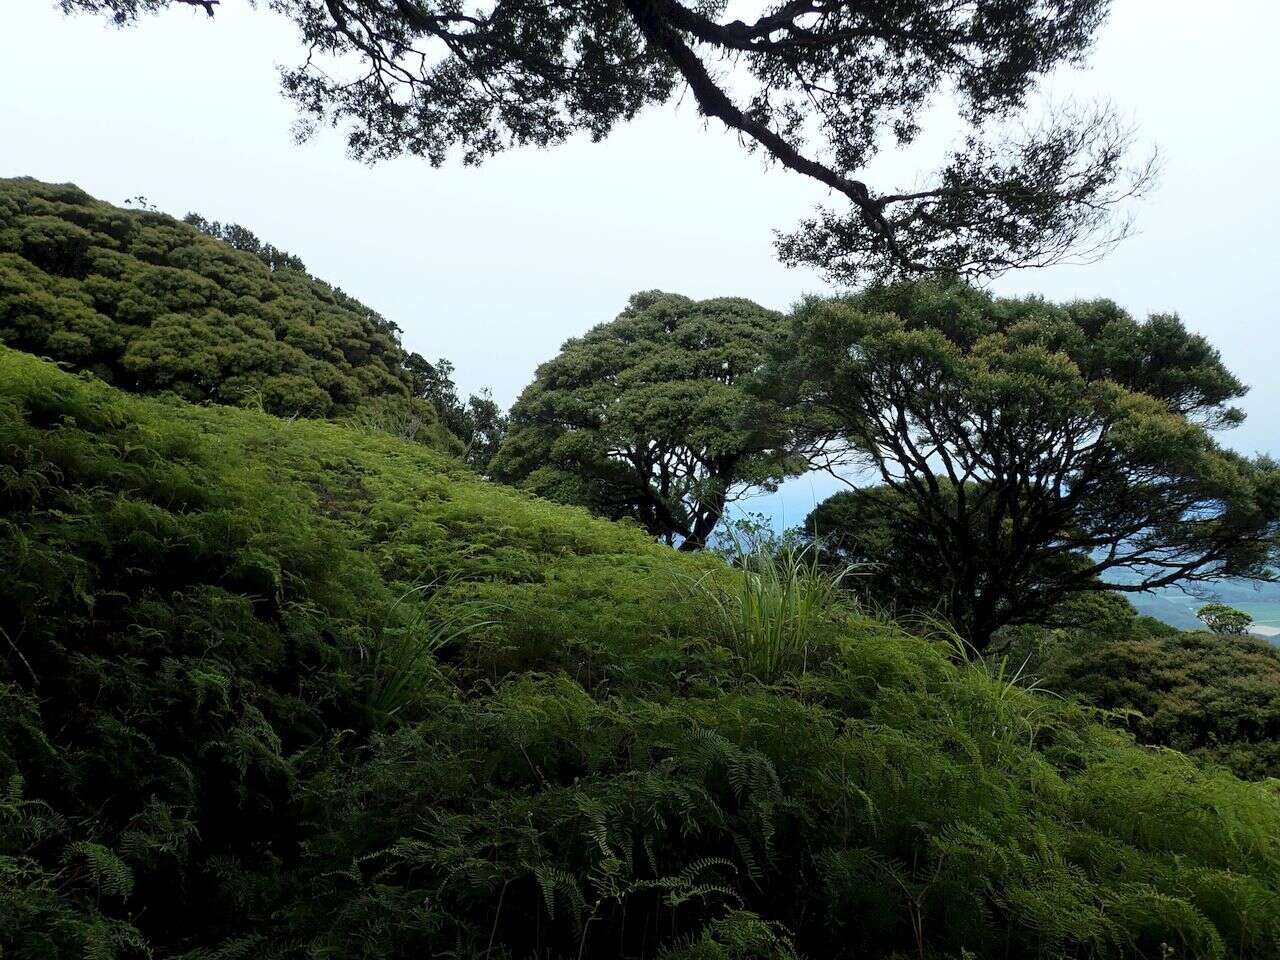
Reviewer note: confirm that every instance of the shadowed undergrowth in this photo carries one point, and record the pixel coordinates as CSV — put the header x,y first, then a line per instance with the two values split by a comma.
x,y
232,724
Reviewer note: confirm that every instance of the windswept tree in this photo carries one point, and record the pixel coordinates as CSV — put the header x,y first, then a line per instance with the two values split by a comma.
x,y
1220,618
1028,451
818,86
649,417
478,422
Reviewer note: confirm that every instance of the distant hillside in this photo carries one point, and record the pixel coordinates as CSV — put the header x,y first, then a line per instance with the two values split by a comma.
x,y
285,688
152,304
1260,600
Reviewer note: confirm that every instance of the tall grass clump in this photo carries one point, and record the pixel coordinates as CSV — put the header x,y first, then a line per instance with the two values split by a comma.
x,y
401,659
771,611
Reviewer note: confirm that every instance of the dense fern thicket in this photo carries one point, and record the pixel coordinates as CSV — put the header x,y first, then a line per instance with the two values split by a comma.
x,y
153,304
1206,694
235,722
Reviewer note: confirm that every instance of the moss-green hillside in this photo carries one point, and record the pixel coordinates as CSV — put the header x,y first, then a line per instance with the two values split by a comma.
x,y
226,731
152,304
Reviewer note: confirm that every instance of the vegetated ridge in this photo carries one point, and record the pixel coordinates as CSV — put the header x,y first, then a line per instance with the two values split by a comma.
x,y
153,304
236,720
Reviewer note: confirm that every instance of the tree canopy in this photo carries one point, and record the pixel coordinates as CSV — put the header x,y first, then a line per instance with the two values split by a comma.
x,y
648,417
1200,693
1032,450
199,309
817,86
1225,620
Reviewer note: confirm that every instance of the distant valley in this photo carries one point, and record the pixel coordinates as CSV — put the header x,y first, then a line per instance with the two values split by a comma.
x,y
1176,608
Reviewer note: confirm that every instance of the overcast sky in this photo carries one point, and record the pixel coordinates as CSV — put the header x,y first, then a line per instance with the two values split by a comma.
x,y
493,267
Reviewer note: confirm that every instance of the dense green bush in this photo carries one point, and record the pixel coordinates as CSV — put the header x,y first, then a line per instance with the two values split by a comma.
x,y
652,417
197,759
1206,694
153,304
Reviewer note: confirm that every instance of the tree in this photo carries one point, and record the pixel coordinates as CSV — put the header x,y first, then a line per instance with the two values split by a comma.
x,y
877,531
1222,619
648,417
479,422
1033,450
818,86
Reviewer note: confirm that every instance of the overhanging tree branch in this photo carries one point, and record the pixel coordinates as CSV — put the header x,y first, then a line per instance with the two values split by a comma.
x,y
819,86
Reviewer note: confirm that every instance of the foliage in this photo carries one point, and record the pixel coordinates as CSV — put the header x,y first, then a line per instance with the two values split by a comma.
x,y
152,304
1220,618
775,610
191,767
242,238
1029,449
649,417
479,422
820,88
745,532
875,531
870,529
1201,693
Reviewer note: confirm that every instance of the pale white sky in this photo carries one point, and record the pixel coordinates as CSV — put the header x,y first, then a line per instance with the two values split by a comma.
x,y
493,267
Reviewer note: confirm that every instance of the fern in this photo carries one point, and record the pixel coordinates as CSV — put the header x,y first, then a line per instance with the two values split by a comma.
x,y
222,683
558,884
103,867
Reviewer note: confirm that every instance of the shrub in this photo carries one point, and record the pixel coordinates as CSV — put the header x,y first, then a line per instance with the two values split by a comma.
x,y
154,304
1205,694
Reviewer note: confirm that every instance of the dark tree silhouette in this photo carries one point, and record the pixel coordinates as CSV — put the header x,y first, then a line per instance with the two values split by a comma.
x,y
1028,451
819,86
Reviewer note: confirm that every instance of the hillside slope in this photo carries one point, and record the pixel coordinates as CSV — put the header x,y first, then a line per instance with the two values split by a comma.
x,y
152,304
234,723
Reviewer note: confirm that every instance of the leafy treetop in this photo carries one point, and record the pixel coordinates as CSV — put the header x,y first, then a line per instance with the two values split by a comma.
x,y
1220,618
1030,449
648,416
819,86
